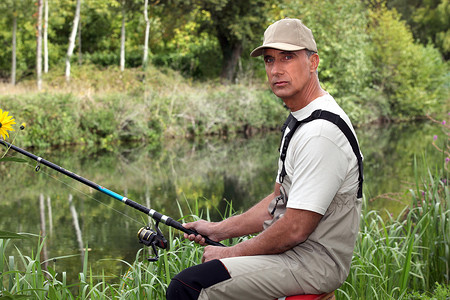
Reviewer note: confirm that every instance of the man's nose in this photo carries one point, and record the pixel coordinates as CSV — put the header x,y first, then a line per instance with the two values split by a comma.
x,y
276,68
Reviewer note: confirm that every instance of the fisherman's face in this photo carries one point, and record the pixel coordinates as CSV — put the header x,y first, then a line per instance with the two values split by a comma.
x,y
289,73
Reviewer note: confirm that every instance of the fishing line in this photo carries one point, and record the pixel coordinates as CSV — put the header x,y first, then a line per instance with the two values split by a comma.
x,y
87,195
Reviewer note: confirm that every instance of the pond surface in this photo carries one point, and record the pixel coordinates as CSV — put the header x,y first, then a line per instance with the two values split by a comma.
x,y
175,179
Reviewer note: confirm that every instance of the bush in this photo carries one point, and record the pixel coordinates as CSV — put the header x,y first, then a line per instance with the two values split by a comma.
x,y
411,77
440,292
64,119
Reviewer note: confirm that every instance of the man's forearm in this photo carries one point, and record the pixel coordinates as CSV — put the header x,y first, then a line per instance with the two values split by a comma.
x,y
246,223
293,228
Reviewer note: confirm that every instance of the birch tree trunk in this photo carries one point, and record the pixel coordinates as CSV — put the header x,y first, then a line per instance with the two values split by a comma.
x,y
147,32
13,58
39,46
122,39
46,36
80,55
72,37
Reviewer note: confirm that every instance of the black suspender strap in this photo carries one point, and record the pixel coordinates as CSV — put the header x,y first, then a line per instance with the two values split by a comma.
x,y
293,124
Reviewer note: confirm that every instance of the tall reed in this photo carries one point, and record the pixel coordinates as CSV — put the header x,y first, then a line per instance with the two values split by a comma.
x,y
396,256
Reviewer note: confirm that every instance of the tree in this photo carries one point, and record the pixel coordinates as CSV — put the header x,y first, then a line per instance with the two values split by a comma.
x,y
147,33
122,39
46,36
72,39
80,55
234,22
13,56
429,21
39,45
126,7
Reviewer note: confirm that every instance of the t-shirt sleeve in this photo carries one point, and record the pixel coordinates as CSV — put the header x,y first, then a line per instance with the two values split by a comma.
x,y
319,168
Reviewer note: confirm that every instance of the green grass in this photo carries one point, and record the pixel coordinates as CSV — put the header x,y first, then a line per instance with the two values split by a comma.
x,y
406,257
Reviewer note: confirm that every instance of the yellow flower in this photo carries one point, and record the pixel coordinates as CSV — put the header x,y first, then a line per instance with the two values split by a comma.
x,y
5,124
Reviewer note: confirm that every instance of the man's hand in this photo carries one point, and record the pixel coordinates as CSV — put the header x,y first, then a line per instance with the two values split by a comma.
x,y
202,227
214,252
209,229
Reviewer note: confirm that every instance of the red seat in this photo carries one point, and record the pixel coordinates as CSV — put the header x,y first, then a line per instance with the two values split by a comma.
x,y
304,297
329,296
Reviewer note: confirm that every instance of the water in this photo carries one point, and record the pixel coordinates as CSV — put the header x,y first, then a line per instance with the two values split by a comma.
x,y
172,179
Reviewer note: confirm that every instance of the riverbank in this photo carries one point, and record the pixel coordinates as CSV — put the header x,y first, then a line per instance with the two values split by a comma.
x,y
108,106
104,106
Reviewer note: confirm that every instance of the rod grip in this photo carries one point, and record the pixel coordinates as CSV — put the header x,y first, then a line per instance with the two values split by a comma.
x,y
179,226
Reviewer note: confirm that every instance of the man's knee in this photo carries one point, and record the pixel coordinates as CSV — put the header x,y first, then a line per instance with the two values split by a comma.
x,y
189,283
180,290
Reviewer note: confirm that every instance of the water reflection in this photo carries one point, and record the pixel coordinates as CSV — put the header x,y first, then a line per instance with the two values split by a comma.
x,y
173,180
389,153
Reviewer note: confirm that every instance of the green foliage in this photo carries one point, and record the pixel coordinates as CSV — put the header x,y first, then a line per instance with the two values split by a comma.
x,y
370,61
194,55
228,110
412,77
429,21
234,23
343,43
62,119
440,292
103,58
30,282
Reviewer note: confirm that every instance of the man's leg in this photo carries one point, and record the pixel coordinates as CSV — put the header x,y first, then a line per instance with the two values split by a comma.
x,y
189,283
237,278
262,277
258,277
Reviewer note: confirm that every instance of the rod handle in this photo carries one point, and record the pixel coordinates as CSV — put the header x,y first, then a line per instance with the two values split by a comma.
x,y
207,239
179,226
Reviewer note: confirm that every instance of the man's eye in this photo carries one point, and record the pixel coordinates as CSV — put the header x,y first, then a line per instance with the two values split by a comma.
x,y
268,60
287,57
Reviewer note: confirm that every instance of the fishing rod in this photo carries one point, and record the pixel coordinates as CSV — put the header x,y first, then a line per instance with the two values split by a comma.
x,y
146,235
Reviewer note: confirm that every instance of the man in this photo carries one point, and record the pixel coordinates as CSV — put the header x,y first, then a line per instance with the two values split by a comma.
x,y
308,226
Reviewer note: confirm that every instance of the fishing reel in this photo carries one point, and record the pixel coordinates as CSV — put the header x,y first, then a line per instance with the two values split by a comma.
x,y
152,238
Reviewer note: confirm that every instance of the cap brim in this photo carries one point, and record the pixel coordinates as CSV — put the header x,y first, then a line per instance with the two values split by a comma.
x,y
278,46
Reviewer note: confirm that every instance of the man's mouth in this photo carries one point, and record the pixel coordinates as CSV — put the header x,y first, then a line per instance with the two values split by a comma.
x,y
280,83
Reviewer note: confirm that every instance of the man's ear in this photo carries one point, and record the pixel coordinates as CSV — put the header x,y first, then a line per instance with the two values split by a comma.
x,y
314,59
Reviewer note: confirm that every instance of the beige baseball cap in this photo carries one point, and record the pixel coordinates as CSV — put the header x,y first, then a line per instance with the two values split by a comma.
x,y
288,35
